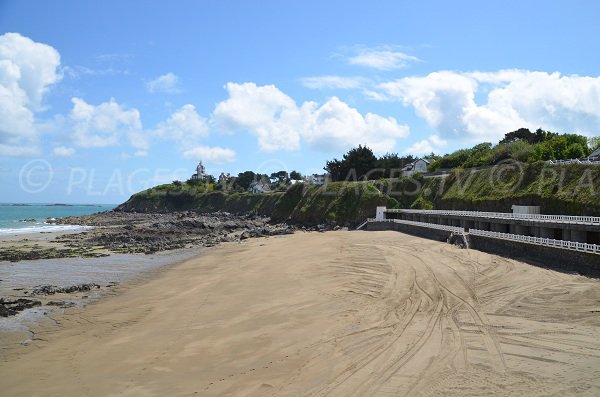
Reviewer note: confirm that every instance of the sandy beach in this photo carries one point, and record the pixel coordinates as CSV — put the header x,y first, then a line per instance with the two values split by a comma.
x,y
325,314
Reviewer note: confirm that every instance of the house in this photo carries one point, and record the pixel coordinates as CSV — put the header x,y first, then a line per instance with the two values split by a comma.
x,y
595,156
200,174
316,179
259,187
224,178
419,165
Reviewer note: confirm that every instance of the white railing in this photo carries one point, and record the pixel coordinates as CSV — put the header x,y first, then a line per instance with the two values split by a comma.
x,y
572,245
362,224
455,229
587,220
573,161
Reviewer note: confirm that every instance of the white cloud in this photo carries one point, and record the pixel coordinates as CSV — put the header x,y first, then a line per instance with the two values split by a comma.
x,y
382,59
280,124
215,155
431,144
184,126
27,71
168,83
448,102
333,82
77,71
336,126
107,124
63,151
264,111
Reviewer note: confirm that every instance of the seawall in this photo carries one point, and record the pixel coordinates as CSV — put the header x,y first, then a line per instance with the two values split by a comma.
x,y
547,257
425,232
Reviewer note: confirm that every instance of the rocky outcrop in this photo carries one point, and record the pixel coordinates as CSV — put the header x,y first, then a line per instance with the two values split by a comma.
x,y
129,232
10,307
52,289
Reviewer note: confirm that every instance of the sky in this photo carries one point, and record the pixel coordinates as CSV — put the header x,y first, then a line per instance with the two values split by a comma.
x,y
101,99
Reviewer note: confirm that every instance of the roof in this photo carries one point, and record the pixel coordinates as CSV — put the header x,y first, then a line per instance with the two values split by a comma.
x,y
417,160
595,153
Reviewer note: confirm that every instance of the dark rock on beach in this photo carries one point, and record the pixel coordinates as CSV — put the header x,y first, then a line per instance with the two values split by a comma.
x,y
11,307
51,289
147,233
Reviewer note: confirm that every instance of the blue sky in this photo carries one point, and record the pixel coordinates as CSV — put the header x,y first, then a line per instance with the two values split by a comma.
x,y
99,100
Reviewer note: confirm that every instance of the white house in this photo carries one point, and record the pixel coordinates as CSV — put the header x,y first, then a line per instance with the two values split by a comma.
x,y
316,179
419,165
258,187
595,155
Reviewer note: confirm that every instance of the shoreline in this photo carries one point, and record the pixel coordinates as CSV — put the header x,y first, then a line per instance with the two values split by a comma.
x,y
92,279
337,313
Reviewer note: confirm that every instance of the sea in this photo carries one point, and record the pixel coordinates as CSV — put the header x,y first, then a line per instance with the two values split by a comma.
x,y
17,218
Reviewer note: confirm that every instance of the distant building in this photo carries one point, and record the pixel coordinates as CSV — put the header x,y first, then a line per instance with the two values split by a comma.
x,y
316,179
259,187
200,174
224,178
419,165
595,156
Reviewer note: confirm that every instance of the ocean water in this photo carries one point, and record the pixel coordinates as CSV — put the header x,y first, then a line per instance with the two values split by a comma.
x,y
31,218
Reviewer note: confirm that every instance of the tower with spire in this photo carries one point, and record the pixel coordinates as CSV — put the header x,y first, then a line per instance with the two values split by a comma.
x,y
200,174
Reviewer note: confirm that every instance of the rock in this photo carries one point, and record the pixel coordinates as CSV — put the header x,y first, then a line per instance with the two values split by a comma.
x,y
62,304
245,235
51,289
12,307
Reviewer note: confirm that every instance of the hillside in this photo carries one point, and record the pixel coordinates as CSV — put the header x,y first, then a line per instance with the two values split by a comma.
x,y
570,189
340,203
566,189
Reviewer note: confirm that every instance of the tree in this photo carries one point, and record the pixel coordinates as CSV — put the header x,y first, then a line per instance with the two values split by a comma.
x,y
520,134
356,163
244,179
594,143
295,175
280,177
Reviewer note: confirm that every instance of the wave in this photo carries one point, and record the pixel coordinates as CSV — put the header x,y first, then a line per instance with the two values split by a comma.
x,y
43,228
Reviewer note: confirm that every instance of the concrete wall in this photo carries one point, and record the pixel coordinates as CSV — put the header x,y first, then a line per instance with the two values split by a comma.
x,y
425,232
547,257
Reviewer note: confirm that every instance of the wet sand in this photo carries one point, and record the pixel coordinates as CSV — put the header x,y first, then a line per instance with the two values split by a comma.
x,y
316,314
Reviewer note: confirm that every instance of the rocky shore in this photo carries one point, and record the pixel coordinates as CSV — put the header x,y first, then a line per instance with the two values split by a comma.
x,y
145,233
151,232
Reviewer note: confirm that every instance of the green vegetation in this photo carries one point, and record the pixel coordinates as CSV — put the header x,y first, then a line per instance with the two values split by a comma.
x,y
560,189
342,203
520,145
572,189
361,164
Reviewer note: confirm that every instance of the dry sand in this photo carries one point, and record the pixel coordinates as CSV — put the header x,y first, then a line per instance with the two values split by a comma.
x,y
336,314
